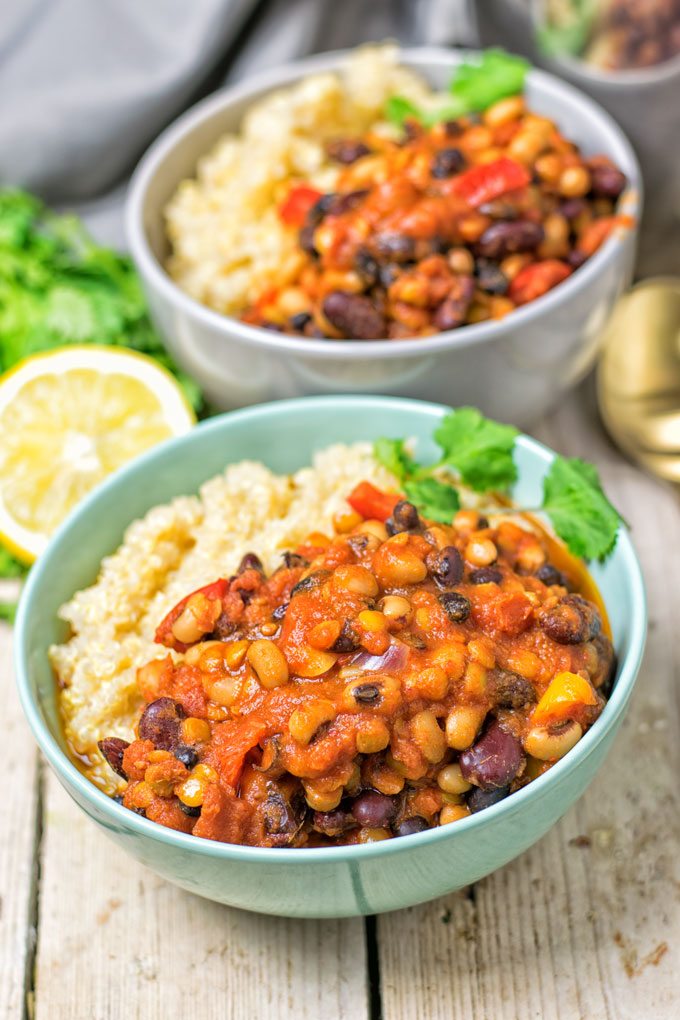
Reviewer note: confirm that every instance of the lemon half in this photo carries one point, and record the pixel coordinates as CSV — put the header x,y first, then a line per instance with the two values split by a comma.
x,y
69,418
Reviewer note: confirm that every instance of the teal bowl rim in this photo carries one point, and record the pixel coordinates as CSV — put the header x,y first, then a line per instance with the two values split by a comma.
x,y
119,816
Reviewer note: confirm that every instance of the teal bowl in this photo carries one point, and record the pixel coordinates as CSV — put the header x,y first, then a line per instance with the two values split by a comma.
x,y
328,882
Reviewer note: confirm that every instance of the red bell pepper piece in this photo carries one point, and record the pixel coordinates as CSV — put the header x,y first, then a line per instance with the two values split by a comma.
x,y
537,279
164,635
297,203
487,181
372,503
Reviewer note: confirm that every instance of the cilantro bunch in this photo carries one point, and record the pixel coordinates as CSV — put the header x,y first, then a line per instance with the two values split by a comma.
x,y
475,86
478,453
58,287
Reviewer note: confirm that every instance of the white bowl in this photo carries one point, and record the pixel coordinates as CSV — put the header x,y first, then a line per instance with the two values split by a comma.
x,y
514,369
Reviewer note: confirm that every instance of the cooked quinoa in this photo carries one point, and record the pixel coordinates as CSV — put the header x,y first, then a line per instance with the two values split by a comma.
x,y
226,235
177,548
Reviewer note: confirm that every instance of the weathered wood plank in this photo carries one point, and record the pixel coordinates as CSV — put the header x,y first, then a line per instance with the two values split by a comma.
x,y
587,923
17,837
117,943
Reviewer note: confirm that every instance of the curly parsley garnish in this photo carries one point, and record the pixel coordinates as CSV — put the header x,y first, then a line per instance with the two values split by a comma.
x,y
478,453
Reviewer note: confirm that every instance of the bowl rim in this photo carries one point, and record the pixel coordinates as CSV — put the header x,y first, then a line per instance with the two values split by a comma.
x,y
153,271
117,816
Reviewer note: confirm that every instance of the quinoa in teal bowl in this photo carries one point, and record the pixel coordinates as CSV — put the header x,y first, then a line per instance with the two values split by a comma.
x,y
377,865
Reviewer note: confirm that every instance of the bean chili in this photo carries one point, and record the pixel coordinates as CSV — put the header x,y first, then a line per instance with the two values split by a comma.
x,y
372,686
456,223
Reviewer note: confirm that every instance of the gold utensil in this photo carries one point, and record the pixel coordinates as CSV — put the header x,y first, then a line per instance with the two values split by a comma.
x,y
638,377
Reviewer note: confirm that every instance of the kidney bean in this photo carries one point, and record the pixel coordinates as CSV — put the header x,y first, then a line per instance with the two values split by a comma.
x,y
446,566
415,823
113,749
485,575
291,560
160,723
509,690
300,321
347,150
606,671
283,817
571,622
374,809
478,799
456,606
490,277
576,258
452,311
501,239
366,266
306,239
192,812
354,315
404,517
395,247
607,181
447,162
573,207
321,208
494,760
343,203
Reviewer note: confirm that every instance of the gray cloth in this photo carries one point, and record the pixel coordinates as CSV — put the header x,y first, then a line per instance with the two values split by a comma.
x,y
87,84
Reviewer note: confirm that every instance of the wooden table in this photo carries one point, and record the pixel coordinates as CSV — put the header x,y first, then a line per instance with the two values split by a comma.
x,y
585,926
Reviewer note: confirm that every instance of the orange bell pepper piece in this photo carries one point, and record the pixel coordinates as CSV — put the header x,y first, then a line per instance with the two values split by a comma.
x,y
372,503
565,693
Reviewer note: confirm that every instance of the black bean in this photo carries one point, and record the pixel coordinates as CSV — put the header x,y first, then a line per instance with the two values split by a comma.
x,y
607,181
224,628
456,606
344,203
509,690
321,208
410,825
478,799
387,274
603,678
333,823
291,559
310,582
366,266
446,566
186,754
482,523
283,816
453,128
453,310
374,809
572,621
280,611
485,575
251,561
550,575
490,277
447,162
355,316
306,239
192,812
347,150
160,723
118,798
404,517
274,327
299,321
347,641
501,239
395,247
494,760
367,694
113,749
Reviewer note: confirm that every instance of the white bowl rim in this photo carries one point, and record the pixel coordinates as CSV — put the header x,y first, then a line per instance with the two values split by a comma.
x,y
118,816
465,336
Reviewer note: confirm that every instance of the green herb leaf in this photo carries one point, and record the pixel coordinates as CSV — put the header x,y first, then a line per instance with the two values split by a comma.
x,y
8,611
393,455
9,565
580,512
434,499
482,83
478,448
399,109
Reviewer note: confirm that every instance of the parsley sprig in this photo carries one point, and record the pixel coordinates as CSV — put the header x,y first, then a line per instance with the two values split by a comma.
x,y
477,452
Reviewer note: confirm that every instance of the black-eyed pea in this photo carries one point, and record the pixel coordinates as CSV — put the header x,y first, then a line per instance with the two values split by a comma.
x,y
481,552
356,579
381,777
574,182
223,692
428,736
396,564
395,609
373,835
430,683
373,736
235,653
453,813
371,620
504,111
321,799
268,662
372,527
474,680
305,721
346,520
195,731
530,557
482,650
451,657
193,655
462,725
196,619
450,780
551,745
